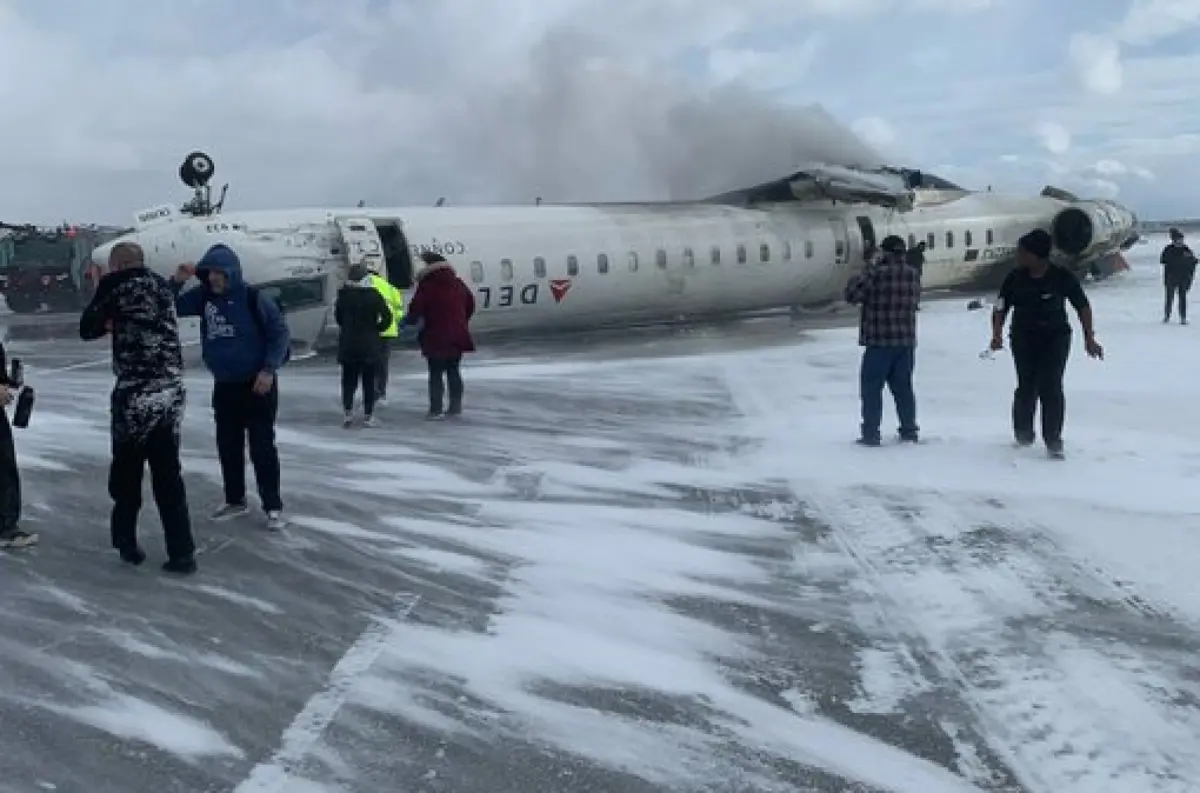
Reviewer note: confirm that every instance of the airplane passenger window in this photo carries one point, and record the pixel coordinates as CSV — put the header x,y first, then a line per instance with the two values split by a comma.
x,y
689,258
633,262
931,241
539,267
839,249
572,265
602,263
989,237
506,270
764,253
808,249
949,239
715,254
967,238
787,251
660,258
477,271
741,254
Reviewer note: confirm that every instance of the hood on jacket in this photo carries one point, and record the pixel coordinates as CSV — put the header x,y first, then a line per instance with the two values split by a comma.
x,y
222,259
440,271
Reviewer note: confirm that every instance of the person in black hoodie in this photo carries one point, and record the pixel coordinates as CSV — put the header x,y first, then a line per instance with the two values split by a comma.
x,y
137,307
362,314
1179,268
11,536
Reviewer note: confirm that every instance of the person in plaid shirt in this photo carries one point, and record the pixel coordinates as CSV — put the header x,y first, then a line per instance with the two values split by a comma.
x,y
889,293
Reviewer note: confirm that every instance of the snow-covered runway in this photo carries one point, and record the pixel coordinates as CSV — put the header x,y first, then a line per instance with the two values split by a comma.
x,y
656,565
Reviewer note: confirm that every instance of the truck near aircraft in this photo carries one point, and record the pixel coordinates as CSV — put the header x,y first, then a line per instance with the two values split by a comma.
x,y
49,268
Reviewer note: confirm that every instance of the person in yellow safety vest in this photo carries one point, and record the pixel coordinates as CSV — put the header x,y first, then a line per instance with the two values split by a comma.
x,y
395,303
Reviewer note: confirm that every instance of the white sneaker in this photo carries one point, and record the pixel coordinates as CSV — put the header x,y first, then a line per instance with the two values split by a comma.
x,y
275,520
369,421
348,420
381,402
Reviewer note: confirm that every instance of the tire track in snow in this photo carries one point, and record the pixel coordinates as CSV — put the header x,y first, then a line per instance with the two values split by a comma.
x,y
1061,700
1069,690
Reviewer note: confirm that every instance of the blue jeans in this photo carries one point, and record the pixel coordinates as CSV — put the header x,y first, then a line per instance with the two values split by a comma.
x,y
891,366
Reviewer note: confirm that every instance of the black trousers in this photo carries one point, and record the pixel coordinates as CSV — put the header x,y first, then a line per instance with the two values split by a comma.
x,y
10,477
160,449
243,415
353,373
1171,289
445,372
381,371
1041,362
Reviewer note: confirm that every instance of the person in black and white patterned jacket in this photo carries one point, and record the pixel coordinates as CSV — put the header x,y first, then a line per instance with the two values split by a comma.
x,y
137,307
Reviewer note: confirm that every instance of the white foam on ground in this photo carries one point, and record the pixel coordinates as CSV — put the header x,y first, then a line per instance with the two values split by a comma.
x,y
237,598
135,719
585,608
1071,713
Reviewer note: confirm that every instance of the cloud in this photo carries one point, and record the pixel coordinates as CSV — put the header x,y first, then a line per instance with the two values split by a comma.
x,y
395,101
1054,136
1097,60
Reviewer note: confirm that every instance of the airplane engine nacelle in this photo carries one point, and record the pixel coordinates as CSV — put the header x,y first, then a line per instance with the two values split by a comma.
x,y
1088,228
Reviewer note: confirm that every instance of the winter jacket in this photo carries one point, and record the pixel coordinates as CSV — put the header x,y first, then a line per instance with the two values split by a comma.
x,y
395,303
234,348
138,306
446,305
1179,265
362,315
889,294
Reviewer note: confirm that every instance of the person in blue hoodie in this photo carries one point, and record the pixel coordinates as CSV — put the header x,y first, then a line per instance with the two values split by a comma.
x,y
245,340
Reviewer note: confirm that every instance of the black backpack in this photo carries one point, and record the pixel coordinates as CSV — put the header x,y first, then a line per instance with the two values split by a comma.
x,y
253,296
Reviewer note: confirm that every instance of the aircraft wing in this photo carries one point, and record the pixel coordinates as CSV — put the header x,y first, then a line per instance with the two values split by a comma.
x,y
829,182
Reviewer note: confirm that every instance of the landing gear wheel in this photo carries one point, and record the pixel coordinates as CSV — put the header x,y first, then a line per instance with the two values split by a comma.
x,y
197,169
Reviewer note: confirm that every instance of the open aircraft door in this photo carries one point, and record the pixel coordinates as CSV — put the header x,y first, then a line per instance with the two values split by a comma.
x,y
361,241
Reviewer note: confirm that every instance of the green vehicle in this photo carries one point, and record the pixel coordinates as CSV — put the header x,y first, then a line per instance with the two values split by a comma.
x,y
49,269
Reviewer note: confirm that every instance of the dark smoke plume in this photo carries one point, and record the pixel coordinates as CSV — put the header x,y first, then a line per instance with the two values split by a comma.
x,y
576,128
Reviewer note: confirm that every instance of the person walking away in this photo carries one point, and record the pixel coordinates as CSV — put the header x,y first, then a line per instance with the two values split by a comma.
x,y
362,315
244,338
1036,292
888,293
916,259
445,305
1179,268
11,534
394,299
137,307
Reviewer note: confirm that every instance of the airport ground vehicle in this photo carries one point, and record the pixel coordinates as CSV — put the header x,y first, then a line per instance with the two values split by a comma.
x,y
47,268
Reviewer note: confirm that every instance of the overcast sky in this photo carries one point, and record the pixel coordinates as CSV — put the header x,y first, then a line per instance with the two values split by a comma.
x,y
403,101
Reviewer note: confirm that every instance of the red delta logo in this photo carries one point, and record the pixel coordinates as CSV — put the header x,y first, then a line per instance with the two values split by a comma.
x,y
559,288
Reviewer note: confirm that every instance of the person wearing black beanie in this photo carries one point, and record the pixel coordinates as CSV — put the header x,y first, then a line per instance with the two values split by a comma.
x,y
1036,292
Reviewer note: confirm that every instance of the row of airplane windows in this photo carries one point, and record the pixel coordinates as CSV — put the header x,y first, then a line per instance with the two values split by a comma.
x,y
689,256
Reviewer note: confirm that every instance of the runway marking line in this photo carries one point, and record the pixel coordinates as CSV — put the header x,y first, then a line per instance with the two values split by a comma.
x,y
306,729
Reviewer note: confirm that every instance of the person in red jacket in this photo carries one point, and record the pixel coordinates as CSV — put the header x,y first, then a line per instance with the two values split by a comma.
x,y
442,307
